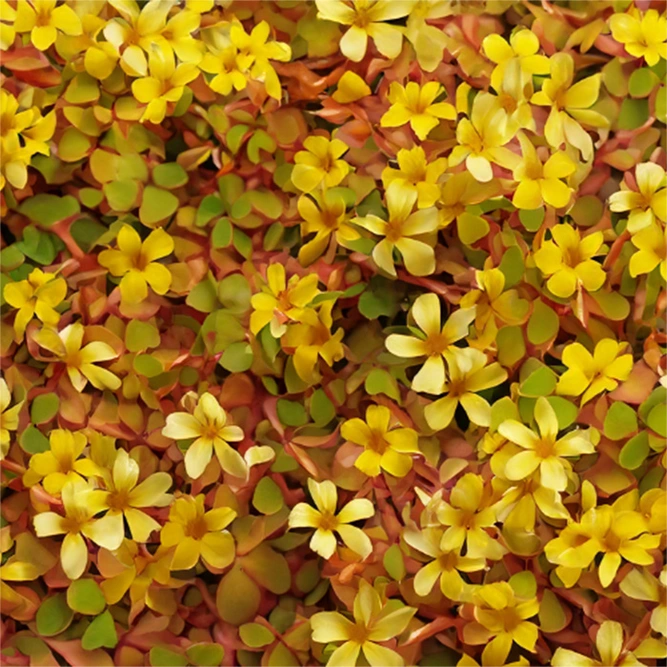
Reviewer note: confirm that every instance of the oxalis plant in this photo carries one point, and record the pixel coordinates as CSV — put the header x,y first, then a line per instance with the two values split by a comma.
x,y
333,333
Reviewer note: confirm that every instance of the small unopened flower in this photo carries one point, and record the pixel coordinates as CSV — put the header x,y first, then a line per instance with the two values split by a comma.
x,y
326,522
546,450
208,425
590,374
437,345
374,624
80,503
385,448
38,295
320,164
135,261
417,106
568,261
194,532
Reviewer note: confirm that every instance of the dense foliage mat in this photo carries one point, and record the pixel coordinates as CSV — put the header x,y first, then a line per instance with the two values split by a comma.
x,y
333,332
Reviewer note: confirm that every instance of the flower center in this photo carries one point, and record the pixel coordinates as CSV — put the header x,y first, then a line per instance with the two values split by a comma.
x,y
119,500
328,521
196,528
377,442
436,344
545,448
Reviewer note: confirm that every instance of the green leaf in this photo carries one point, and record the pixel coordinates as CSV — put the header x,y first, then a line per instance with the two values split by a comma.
x,y
308,576
86,232
471,228
267,498
634,451
524,584
613,305
642,82
511,346
551,615
209,208
322,409
587,211
234,293
256,635
156,205
242,243
90,197
84,596
141,336
238,597
44,408
47,209
634,113
11,257
543,324
260,140
393,562
532,219
222,233
566,411
73,145
41,247
502,410
656,420
122,195
291,413
238,357
53,616
539,380
381,298
380,381
204,296
148,366
33,441
512,266
268,568
82,89
205,654
620,421
235,136
161,656
169,175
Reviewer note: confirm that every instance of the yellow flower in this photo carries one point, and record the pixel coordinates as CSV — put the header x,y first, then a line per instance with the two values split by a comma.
x,y
417,106
609,643
415,174
446,566
466,517
651,243
617,531
544,451
373,623
501,616
226,64
126,496
38,295
326,522
642,36
540,183
310,337
208,425
427,40
7,32
649,204
80,361
324,215
195,532
135,261
366,19
385,447
468,374
81,503
15,161
590,374
281,300
61,463
9,418
570,106
568,261
42,19
135,32
482,139
438,344
319,164
642,585
400,230
522,47
165,85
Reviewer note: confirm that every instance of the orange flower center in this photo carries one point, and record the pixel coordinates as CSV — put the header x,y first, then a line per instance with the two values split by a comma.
x,y
196,528
436,344
377,442
119,500
328,521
